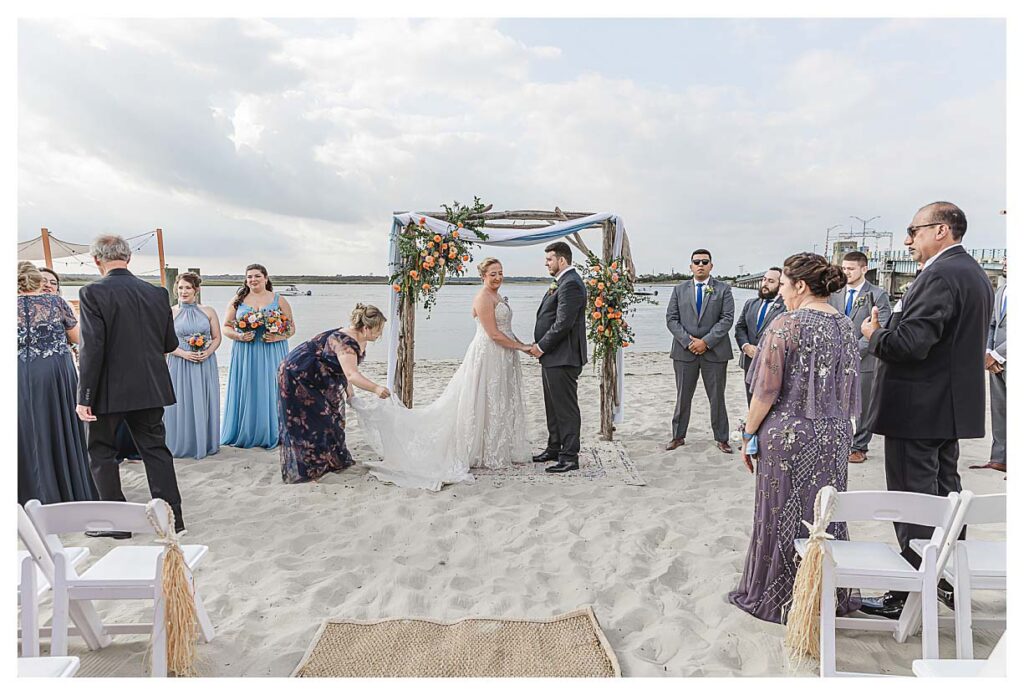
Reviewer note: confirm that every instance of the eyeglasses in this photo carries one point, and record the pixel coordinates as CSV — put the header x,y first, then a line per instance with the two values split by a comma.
x,y
912,231
700,261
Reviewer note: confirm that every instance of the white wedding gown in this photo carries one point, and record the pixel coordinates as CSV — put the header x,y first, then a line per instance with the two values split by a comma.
x,y
478,421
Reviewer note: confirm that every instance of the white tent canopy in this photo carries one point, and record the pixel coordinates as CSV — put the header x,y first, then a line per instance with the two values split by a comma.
x,y
32,250
498,237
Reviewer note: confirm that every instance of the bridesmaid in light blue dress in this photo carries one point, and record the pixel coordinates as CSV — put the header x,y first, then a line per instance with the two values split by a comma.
x,y
250,413
193,422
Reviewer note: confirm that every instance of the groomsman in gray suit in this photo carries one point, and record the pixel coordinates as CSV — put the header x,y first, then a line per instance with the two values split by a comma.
x,y
757,315
856,301
995,365
699,317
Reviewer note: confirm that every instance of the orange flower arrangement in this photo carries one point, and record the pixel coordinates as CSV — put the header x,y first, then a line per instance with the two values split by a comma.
x,y
610,295
430,256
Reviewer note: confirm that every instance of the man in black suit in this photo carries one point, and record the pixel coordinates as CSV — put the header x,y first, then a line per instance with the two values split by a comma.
x,y
127,329
561,344
929,381
758,312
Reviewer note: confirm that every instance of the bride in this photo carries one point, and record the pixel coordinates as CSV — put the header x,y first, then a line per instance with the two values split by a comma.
x,y
478,420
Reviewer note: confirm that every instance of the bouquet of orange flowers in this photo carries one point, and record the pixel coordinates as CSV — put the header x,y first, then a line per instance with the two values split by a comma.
x,y
249,322
197,342
276,323
610,297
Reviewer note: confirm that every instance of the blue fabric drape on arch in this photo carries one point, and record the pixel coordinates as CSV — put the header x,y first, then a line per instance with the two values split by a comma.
x,y
498,237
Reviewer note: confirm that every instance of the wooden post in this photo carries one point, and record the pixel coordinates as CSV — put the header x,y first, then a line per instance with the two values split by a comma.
x,y
172,282
608,372
406,349
160,251
44,234
199,292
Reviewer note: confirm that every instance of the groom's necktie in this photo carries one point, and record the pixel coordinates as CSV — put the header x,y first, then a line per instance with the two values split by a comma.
x,y
700,296
760,316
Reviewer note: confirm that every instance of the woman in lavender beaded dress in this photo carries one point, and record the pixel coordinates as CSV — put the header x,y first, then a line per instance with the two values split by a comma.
x,y
805,381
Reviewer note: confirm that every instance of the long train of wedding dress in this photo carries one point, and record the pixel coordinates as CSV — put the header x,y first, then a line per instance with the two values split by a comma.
x,y
478,420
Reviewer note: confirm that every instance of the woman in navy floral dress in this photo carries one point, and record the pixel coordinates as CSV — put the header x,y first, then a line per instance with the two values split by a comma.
x,y
53,463
313,381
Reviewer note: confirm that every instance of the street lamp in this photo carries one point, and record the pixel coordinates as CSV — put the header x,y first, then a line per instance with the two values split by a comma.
x,y
864,227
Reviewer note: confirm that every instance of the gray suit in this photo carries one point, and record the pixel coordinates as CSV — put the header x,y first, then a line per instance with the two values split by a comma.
x,y
997,382
712,325
748,332
869,296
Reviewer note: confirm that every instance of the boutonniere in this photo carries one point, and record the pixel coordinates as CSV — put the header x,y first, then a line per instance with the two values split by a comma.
x,y
708,289
553,286
860,301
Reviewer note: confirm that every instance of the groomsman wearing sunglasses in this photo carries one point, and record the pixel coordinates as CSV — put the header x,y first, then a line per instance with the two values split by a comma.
x,y
756,316
930,378
856,300
699,317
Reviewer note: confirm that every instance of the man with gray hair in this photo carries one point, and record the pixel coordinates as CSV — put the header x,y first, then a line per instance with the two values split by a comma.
x,y
127,329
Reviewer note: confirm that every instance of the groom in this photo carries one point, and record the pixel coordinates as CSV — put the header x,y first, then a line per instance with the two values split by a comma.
x,y
561,344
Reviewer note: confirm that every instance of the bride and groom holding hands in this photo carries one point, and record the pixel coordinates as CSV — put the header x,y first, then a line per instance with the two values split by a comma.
x,y
480,418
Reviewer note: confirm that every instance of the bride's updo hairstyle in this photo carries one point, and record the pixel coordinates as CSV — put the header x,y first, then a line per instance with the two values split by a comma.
x,y
486,263
367,316
822,277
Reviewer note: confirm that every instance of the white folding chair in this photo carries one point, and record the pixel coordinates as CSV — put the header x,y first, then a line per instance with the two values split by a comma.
x,y
126,572
972,564
874,565
992,667
33,583
48,667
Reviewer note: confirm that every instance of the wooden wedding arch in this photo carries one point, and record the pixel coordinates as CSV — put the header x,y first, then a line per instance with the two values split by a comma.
x,y
529,222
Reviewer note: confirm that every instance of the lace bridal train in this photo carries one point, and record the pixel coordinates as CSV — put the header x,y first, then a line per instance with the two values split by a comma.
x,y
479,420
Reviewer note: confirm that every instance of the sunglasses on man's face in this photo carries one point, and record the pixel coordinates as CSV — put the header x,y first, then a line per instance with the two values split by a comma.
x,y
700,261
912,231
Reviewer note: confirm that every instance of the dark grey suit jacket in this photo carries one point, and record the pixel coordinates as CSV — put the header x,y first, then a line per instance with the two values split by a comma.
x,y
713,324
561,328
997,326
127,329
860,311
746,326
930,378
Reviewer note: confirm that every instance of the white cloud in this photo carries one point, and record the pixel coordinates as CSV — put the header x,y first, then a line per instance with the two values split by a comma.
x,y
247,140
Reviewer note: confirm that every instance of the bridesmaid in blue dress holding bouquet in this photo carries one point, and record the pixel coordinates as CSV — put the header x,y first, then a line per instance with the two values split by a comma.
x,y
193,422
250,414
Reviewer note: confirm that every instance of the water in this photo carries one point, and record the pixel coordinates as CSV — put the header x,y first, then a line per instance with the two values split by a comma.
x,y
448,331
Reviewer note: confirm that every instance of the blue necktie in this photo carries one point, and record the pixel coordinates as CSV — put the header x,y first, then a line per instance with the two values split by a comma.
x,y
849,301
760,316
700,296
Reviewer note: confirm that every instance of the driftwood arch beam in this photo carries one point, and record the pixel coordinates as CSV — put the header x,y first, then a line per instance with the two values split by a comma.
x,y
511,228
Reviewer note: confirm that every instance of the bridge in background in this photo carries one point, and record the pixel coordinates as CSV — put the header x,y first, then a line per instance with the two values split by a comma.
x,y
892,270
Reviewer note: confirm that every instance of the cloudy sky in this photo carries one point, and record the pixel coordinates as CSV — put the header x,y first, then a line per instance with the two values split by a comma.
x,y
290,142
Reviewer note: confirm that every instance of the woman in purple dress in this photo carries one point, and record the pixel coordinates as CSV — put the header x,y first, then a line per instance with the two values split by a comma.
x,y
805,382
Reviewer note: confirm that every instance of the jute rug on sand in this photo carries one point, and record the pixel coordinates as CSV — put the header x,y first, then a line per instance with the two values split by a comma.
x,y
570,645
599,461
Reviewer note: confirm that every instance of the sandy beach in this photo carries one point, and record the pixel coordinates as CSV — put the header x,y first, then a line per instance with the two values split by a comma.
x,y
655,561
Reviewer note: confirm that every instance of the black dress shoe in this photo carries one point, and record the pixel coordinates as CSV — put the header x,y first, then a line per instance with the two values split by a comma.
x,y
945,593
888,606
545,456
563,466
116,535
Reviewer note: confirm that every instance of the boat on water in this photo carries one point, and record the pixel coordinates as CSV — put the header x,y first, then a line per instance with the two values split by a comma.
x,y
647,292
293,291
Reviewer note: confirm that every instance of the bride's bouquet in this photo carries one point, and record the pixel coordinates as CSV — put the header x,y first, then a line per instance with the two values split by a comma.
x,y
276,323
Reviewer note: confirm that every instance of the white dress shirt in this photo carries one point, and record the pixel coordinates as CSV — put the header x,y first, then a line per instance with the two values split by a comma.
x,y
695,288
